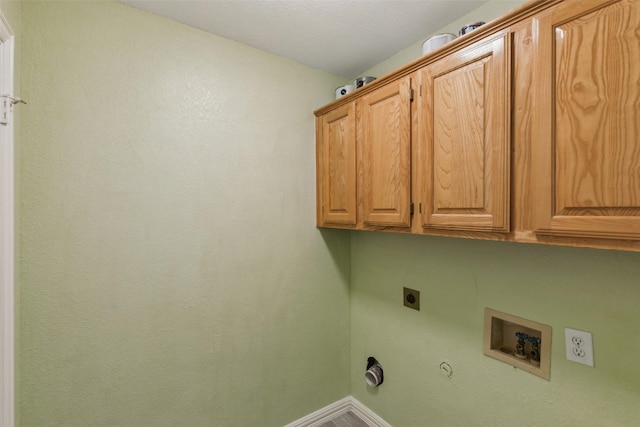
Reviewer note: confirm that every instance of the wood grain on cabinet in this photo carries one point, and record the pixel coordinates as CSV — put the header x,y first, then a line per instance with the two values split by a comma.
x,y
336,166
522,128
525,130
587,120
384,140
465,138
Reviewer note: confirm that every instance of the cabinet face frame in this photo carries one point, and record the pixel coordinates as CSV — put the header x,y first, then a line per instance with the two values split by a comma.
x,y
336,167
384,148
588,114
465,138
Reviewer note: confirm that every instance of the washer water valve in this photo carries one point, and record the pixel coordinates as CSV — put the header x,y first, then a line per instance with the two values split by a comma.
x,y
535,350
519,342
534,353
522,337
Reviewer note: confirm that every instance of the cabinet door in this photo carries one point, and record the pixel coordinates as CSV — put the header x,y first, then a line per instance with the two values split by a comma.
x,y
588,120
465,138
337,167
384,135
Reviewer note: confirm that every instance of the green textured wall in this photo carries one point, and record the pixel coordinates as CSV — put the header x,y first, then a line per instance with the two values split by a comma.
x,y
171,273
585,289
171,270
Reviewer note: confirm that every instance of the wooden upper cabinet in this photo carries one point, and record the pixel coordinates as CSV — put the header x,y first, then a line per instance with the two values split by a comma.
x,y
527,129
336,167
384,140
464,138
587,115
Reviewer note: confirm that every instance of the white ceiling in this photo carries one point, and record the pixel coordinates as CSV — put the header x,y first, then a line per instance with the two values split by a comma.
x,y
344,38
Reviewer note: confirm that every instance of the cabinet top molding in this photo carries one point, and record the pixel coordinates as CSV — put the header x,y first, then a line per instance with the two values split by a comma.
x,y
525,11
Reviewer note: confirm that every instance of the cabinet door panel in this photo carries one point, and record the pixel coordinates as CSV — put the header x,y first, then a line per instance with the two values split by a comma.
x,y
337,167
590,112
466,138
385,137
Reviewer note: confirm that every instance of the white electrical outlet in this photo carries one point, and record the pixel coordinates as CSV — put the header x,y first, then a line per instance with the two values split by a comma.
x,y
579,346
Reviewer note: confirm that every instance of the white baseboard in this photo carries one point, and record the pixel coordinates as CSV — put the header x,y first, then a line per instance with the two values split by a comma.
x,y
338,408
367,415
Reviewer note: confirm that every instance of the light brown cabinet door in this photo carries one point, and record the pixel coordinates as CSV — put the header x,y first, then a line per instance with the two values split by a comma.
x,y
587,113
384,138
336,167
465,138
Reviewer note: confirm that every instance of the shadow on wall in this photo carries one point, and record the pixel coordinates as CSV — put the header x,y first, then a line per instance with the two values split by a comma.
x,y
339,244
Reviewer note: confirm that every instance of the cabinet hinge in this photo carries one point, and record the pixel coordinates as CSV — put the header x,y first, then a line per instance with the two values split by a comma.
x,y
411,208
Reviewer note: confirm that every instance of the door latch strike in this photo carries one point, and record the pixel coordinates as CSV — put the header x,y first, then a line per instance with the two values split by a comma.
x,y
8,102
